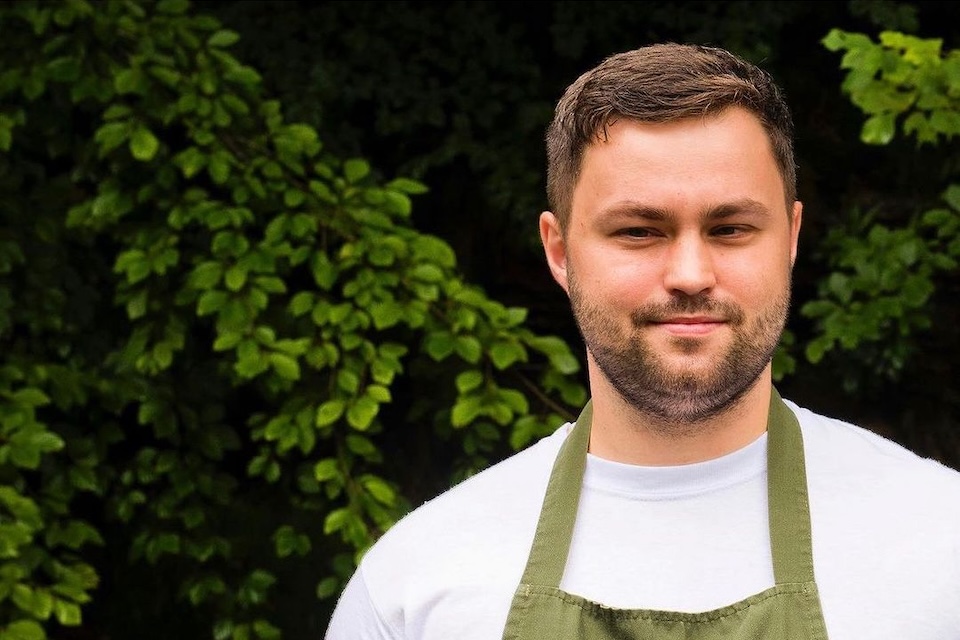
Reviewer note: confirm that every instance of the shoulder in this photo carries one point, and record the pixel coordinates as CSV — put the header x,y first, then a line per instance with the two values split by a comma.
x,y
843,457
475,537
886,533
507,487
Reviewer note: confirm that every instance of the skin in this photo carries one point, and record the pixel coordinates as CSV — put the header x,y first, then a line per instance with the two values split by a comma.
x,y
677,258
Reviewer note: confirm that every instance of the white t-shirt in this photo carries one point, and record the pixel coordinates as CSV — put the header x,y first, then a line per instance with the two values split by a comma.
x,y
886,542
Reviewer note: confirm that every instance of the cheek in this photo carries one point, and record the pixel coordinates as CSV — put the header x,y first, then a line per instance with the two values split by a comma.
x,y
619,283
756,282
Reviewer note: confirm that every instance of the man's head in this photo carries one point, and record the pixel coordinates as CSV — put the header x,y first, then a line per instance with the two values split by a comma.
x,y
674,228
661,83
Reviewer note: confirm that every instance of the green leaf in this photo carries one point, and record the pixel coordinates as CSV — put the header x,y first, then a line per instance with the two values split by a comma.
x,y
557,351
250,362
382,255
516,316
322,191
439,345
166,75
348,380
30,396
408,186
839,284
397,203
287,541
206,275
524,430
879,129
361,445
328,587
335,520
515,400
378,393
211,302
21,507
355,170
324,271
137,305
427,272
265,631
465,410
952,196
128,81
219,167
435,250
329,412
386,314
327,469
28,445
293,198
24,630
817,348
362,412
379,489
67,613
143,144
74,535
235,277
243,75
285,366
191,161
111,135
468,348
834,40
64,69
469,380
223,38
503,354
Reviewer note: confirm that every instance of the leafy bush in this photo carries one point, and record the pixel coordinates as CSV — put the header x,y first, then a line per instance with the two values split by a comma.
x,y
226,353
878,297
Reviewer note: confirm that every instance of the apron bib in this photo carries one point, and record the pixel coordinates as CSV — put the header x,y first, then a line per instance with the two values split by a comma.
x,y
788,610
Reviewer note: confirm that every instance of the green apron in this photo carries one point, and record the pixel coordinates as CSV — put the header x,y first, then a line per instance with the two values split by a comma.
x,y
789,610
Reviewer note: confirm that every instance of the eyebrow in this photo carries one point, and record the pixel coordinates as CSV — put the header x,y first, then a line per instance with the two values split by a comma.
x,y
634,209
747,206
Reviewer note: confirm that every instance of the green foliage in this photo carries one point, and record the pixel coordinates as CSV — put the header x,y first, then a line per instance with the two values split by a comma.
x,y
206,318
901,75
878,295
879,291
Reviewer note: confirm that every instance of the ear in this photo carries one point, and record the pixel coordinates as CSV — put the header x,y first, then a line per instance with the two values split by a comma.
x,y
795,221
554,247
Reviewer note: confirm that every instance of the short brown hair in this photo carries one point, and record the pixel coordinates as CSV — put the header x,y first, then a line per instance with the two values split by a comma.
x,y
661,83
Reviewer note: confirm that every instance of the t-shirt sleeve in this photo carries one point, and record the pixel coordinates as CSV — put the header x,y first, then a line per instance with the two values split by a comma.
x,y
356,617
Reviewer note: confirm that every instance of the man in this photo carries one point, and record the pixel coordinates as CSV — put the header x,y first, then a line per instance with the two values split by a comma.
x,y
689,500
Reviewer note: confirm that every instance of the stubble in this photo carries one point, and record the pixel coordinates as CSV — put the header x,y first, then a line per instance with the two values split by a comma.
x,y
680,398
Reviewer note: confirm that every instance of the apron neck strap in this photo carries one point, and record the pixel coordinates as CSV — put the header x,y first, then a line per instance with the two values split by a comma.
x,y
551,543
791,540
789,513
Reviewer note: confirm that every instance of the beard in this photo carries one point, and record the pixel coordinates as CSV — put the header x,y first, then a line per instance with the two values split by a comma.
x,y
673,395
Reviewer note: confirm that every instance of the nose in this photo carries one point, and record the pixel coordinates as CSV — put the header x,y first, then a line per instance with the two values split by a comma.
x,y
689,267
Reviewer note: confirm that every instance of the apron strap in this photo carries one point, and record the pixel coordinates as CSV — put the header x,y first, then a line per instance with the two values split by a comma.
x,y
551,543
791,540
789,514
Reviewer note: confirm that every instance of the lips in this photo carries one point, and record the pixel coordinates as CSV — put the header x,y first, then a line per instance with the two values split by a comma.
x,y
690,325
691,320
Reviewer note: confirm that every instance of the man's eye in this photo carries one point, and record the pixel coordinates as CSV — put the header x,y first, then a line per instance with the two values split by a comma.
x,y
636,232
728,230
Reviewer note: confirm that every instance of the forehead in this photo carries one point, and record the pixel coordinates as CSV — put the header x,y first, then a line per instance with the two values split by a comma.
x,y
680,164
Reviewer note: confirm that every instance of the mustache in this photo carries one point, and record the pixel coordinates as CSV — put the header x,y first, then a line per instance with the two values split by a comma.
x,y
687,305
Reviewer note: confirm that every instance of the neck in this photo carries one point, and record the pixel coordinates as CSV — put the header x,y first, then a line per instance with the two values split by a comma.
x,y
622,433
